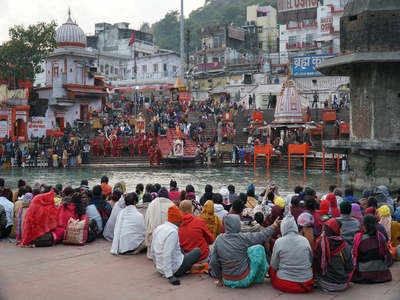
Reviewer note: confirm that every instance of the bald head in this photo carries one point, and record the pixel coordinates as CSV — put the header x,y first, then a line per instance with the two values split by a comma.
x,y
186,207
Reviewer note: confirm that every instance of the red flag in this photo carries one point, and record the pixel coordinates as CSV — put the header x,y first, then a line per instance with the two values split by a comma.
x,y
132,38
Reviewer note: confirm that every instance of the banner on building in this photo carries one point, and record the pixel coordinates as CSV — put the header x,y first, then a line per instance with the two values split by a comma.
x,y
296,10
290,5
236,33
306,66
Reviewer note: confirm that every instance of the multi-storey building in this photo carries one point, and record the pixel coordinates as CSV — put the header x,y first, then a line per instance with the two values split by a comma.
x,y
111,45
265,18
309,33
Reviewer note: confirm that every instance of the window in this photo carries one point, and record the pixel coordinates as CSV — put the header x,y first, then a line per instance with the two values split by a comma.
x,y
155,68
174,69
308,22
293,24
309,38
292,41
144,68
260,45
107,69
259,29
165,68
101,68
116,71
112,70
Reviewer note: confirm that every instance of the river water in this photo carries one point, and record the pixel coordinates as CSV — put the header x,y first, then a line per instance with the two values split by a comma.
x,y
239,177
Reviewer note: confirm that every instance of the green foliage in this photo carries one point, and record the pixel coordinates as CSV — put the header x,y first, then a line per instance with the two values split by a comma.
x,y
166,31
26,49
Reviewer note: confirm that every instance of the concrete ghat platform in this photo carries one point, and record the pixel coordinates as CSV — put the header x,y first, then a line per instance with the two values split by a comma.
x,y
91,272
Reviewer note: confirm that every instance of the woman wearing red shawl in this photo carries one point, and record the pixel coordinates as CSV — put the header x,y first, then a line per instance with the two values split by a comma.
x,y
333,259
40,219
371,255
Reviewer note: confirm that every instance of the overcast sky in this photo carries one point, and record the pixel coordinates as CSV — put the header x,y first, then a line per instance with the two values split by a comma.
x,y
87,12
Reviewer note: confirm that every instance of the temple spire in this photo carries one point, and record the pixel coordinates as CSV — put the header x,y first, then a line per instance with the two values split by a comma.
x,y
69,16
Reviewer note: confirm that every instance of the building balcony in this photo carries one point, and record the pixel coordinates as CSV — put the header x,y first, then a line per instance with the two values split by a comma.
x,y
293,27
210,66
313,25
293,46
309,45
334,11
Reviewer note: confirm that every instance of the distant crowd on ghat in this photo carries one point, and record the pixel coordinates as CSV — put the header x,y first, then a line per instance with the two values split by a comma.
x,y
300,242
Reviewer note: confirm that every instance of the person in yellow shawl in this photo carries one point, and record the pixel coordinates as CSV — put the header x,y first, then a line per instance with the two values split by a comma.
x,y
213,223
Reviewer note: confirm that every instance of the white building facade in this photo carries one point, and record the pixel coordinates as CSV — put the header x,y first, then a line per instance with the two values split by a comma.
x,y
70,88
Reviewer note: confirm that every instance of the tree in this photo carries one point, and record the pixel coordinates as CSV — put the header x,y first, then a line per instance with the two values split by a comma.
x,y
145,28
22,55
166,31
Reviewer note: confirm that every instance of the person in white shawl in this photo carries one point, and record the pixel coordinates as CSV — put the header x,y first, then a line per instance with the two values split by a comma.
x,y
129,232
156,214
108,232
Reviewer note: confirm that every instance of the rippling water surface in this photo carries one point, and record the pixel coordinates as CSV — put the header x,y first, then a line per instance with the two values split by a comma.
x,y
240,177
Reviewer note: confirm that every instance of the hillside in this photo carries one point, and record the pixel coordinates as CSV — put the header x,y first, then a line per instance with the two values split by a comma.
x,y
166,31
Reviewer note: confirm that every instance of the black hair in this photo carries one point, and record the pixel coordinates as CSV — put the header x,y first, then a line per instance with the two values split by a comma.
x,y
149,188
231,189
208,189
183,195
338,192
348,192
217,198
21,183
190,189
84,182
131,199
147,198
27,189
298,189
372,202
310,204
77,201
68,191
156,187
238,206
58,188
309,191
271,196
332,188
243,198
259,218
104,179
295,201
345,208
97,190
47,189
370,225
139,188
173,184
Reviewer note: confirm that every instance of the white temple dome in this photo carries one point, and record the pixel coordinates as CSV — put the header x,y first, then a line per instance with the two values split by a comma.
x,y
70,34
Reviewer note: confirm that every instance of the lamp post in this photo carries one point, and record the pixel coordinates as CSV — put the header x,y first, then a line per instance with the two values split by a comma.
x,y
182,43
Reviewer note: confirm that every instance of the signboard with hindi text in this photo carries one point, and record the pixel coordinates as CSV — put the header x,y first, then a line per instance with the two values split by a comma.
x,y
290,5
296,10
306,66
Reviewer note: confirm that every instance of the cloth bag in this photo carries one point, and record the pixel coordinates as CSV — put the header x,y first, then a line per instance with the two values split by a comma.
x,y
76,232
